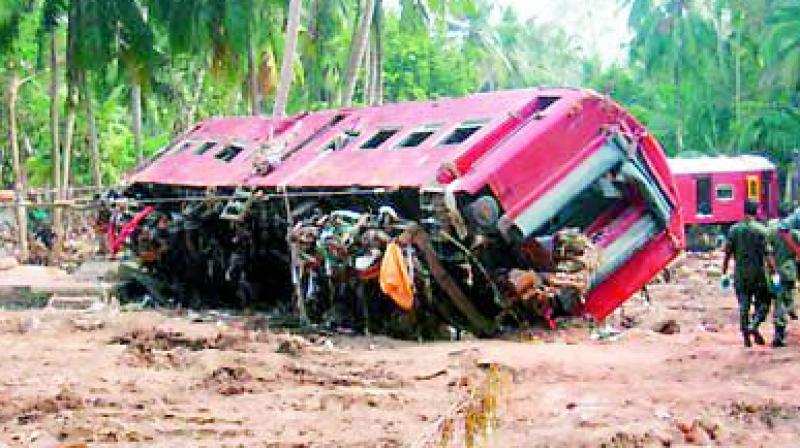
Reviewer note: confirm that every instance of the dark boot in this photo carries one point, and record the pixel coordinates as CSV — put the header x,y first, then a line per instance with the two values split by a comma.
x,y
746,337
780,337
757,338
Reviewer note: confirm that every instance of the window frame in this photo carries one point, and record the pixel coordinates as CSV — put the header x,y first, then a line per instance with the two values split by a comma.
x,y
351,134
479,124
205,147
395,130
225,148
727,186
187,146
431,129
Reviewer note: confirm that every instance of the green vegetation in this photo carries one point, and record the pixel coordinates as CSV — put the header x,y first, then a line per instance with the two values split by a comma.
x,y
102,84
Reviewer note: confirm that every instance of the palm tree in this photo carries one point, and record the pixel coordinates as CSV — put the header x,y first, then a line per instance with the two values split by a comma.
x,y
673,41
289,51
218,33
357,49
782,43
99,34
10,17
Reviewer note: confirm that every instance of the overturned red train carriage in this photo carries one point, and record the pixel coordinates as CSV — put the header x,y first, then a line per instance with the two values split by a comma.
x,y
507,207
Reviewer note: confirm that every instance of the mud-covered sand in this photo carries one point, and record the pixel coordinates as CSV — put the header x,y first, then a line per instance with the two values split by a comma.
x,y
106,378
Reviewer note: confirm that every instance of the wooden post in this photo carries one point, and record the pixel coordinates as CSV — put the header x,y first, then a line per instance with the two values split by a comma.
x,y
20,189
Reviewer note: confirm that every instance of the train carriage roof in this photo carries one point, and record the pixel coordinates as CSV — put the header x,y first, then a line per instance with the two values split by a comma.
x,y
394,145
720,164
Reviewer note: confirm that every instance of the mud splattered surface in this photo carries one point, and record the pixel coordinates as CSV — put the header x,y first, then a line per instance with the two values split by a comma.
x,y
677,375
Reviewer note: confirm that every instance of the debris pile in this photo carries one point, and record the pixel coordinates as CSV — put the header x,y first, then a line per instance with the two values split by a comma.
x,y
561,278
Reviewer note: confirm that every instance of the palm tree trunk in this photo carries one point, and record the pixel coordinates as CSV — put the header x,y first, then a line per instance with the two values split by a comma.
x,y
368,74
94,144
252,79
20,188
69,133
357,52
374,75
313,82
136,116
287,65
378,31
58,225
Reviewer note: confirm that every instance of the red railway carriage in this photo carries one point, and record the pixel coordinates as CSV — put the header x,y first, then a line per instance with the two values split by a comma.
x,y
713,190
485,176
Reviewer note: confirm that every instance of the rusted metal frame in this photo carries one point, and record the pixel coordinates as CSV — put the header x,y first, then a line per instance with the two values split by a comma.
x,y
477,320
495,291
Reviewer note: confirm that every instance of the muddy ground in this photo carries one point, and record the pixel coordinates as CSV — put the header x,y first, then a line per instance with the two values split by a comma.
x,y
676,375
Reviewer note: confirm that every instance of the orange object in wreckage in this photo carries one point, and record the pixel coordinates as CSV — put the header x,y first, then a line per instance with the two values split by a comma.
x,y
394,278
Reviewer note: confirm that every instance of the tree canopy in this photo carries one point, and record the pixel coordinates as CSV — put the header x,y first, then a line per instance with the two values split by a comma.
x,y
706,76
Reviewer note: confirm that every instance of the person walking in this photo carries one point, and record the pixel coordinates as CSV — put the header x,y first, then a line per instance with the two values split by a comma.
x,y
784,242
748,244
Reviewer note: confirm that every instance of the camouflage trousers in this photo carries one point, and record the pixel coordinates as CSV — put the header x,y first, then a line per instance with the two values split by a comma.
x,y
753,296
784,304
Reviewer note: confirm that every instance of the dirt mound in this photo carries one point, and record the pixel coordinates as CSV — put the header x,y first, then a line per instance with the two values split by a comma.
x,y
33,409
228,380
141,355
628,440
334,375
168,349
770,413
161,339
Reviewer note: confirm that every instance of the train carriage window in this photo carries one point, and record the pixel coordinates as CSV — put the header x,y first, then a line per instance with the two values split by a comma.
x,y
463,132
204,148
183,147
341,140
380,138
419,136
724,192
229,153
543,102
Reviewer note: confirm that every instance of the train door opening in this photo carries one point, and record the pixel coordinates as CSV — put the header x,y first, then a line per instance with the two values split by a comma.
x,y
766,193
704,199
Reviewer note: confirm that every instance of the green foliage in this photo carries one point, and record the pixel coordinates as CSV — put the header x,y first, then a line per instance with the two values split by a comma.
x,y
715,76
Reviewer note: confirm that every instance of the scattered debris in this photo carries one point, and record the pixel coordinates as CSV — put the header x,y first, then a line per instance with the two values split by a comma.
x,y
161,339
629,440
292,345
668,326
472,420
432,375
770,413
87,323
227,380
29,410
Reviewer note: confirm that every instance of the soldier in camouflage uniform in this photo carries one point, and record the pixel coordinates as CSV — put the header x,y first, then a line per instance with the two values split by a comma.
x,y
787,269
748,244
